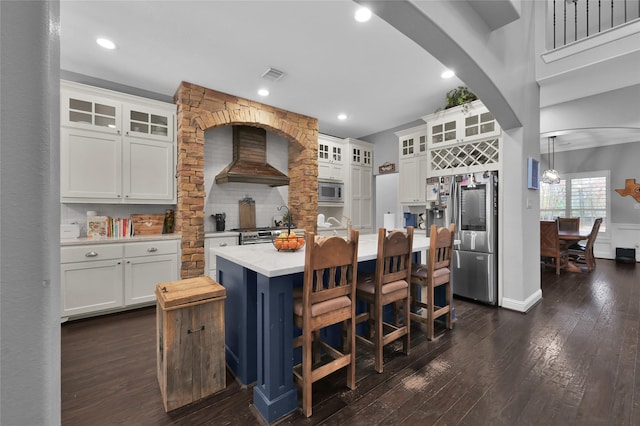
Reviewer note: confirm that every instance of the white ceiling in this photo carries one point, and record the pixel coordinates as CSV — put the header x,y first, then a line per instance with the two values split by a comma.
x,y
332,64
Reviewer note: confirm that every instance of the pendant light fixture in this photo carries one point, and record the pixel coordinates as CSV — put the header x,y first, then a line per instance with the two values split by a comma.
x,y
551,175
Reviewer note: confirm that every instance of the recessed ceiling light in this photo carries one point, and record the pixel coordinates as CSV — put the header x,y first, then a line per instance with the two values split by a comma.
x,y
342,116
106,43
263,92
362,15
447,74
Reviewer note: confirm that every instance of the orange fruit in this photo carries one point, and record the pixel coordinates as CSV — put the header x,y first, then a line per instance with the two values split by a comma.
x,y
292,234
278,243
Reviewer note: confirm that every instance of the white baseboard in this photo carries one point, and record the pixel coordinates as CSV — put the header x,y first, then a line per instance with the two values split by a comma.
x,y
522,305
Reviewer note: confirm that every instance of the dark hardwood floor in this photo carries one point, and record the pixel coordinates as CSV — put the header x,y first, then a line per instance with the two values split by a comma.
x,y
572,360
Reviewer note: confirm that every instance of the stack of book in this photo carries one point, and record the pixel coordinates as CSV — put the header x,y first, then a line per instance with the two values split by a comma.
x,y
105,227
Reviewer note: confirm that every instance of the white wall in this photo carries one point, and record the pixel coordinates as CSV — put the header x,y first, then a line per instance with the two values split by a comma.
x,y
29,214
224,198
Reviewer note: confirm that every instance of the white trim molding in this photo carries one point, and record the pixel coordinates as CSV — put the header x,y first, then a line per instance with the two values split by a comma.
x,y
524,305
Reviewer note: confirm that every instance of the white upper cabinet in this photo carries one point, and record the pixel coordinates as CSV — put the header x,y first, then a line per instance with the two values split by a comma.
x,y
412,142
115,148
87,111
360,153
330,158
412,145
358,203
461,124
149,123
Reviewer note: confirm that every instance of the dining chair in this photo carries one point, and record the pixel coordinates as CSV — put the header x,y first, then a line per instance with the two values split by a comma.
x,y
389,285
435,273
552,253
569,224
584,252
327,298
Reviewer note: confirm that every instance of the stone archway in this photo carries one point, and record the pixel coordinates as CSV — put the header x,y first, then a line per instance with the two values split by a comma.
x,y
200,109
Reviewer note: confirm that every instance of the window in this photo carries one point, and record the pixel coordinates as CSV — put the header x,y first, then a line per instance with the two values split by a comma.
x,y
583,195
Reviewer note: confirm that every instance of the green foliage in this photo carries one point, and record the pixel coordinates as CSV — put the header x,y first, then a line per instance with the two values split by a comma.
x,y
459,96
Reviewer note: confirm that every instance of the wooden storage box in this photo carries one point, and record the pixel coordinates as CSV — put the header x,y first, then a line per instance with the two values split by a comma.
x,y
147,224
190,340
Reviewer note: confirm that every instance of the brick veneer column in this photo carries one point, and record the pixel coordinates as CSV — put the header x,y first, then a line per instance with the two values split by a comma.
x,y
200,109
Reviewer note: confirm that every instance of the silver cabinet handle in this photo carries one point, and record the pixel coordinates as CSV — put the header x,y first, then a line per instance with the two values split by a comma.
x,y
152,249
91,254
223,244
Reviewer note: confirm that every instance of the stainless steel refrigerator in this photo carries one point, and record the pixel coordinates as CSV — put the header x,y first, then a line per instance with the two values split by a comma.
x,y
473,207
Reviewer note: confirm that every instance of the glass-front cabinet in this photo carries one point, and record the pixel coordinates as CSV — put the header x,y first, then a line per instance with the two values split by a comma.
x,y
465,123
89,112
330,158
148,123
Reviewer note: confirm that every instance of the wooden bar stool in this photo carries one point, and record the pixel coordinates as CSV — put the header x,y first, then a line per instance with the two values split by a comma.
x,y
436,273
328,297
389,285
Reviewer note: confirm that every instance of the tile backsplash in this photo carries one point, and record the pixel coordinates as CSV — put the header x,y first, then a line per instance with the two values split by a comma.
x,y
224,198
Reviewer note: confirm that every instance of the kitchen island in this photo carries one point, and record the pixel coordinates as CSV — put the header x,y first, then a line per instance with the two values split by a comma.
x,y
259,282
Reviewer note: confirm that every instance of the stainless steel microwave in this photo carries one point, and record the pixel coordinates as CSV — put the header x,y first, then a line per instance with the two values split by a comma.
x,y
330,192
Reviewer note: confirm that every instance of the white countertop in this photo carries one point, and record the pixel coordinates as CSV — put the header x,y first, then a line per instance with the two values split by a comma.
x,y
266,260
136,238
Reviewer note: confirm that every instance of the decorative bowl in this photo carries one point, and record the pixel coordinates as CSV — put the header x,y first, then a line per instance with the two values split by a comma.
x,y
288,241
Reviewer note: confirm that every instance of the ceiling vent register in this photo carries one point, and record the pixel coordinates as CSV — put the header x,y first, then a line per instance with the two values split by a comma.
x,y
273,74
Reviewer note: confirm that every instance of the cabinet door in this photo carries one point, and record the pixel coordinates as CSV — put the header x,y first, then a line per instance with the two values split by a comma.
x,y
480,124
443,131
90,165
89,112
142,274
87,287
408,180
149,171
421,184
330,161
148,122
360,199
407,147
366,199
210,255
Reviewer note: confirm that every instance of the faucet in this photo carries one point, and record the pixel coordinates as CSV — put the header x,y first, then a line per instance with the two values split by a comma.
x,y
336,221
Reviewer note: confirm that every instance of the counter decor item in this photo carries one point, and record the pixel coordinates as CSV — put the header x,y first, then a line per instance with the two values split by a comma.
x,y
169,220
247,208
288,241
147,224
387,168
631,188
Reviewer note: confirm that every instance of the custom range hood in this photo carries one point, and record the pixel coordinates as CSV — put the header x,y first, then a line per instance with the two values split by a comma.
x,y
249,163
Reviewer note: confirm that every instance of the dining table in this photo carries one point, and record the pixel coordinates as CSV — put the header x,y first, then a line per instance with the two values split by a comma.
x,y
568,237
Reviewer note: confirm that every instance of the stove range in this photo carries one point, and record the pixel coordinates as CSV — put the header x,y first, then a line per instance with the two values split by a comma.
x,y
256,235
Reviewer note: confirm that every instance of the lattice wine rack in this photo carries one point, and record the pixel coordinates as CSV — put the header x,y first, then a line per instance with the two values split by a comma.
x,y
471,154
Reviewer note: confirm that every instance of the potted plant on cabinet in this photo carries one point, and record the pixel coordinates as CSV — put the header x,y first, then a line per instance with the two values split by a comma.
x,y
461,95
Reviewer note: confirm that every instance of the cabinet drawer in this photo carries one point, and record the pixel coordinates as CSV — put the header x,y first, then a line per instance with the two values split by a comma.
x,y
213,243
88,253
150,248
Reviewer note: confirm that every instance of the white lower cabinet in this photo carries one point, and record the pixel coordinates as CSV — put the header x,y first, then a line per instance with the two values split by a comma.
x,y
210,242
145,265
111,276
91,278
